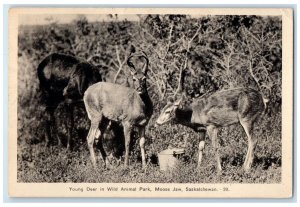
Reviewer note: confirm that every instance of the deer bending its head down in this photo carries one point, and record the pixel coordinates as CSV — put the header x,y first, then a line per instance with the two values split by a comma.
x,y
63,79
131,107
223,108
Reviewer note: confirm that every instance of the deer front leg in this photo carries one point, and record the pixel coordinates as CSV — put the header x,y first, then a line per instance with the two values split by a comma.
x,y
201,148
127,133
213,134
142,145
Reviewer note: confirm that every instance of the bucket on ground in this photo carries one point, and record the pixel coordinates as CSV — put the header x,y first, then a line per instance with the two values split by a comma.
x,y
169,158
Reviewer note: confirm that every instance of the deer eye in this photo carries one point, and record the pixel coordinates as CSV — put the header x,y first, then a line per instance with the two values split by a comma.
x,y
168,112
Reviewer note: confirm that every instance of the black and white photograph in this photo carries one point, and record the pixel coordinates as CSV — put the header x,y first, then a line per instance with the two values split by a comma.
x,y
151,103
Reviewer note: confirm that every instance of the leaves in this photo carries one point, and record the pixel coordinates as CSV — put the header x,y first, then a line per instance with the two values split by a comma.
x,y
215,52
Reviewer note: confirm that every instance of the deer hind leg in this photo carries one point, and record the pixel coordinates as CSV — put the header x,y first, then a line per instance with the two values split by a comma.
x,y
248,127
103,125
50,125
142,145
201,148
213,134
70,127
127,134
101,149
94,130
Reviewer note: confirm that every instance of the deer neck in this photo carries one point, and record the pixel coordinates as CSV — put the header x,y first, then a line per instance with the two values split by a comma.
x,y
183,116
148,103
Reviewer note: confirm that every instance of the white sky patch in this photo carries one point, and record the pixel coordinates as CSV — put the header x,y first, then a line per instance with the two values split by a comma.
x,y
42,19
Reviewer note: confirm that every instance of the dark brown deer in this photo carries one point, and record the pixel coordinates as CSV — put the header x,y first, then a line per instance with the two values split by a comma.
x,y
64,79
107,102
210,112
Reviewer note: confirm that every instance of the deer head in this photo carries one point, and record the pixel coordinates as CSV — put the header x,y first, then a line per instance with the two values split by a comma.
x,y
80,80
168,113
139,79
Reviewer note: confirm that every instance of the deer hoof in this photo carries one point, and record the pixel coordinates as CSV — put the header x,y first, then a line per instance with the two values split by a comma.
x,y
247,168
107,166
199,167
95,167
219,169
46,145
144,167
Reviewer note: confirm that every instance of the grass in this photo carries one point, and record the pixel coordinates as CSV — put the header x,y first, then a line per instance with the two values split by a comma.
x,y
37,163
56,165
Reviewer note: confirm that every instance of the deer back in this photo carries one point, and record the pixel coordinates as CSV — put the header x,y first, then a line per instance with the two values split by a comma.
x,y
64,76
115,102
227,107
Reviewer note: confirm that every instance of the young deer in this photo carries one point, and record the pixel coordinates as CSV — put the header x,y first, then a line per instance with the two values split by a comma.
x,y
63,79
223,108
130,107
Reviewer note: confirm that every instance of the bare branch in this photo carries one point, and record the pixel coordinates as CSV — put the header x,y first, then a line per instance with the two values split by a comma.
x,y
120,63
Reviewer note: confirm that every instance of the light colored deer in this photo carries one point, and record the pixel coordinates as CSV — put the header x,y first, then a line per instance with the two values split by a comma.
x,y
130,107
210,112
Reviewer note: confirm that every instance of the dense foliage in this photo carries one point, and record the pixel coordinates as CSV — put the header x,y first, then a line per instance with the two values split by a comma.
x,y
216,52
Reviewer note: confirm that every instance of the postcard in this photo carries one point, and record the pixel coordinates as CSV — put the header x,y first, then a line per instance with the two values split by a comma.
x,y
151,102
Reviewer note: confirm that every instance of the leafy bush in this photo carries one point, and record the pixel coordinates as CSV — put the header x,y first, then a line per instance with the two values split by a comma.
x,y
217,52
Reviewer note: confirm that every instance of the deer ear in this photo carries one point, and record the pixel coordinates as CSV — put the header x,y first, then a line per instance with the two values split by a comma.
x,y
177,103
132,71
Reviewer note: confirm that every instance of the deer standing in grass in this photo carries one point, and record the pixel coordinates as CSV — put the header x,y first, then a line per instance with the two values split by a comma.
x,y
63,80
130,107
210,112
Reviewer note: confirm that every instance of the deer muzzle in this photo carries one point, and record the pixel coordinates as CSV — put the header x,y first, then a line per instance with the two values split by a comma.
x,y
140,90
65,91
157,124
